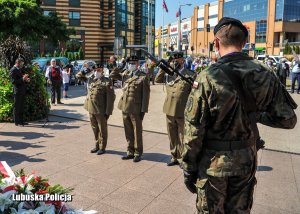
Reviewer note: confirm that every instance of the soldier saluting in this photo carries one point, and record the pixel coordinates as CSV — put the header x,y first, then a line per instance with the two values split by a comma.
x,y
177,93
99,103
133,104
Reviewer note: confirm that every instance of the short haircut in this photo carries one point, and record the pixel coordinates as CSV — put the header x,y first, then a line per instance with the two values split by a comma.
x,y
19,60
231,35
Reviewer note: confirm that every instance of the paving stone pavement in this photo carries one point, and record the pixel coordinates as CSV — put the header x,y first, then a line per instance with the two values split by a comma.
x,y
60,152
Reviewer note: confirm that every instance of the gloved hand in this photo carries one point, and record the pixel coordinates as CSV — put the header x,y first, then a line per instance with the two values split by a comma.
x,y
106,116
190,179
142,115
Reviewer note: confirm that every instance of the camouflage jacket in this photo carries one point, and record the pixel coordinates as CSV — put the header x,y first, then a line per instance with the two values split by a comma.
x,y
214,113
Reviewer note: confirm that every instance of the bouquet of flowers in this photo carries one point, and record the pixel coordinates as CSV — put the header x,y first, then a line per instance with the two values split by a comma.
x,y
22,194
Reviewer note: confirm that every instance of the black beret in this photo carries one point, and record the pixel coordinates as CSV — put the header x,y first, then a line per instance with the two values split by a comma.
x,y
133,58
227,21
176,55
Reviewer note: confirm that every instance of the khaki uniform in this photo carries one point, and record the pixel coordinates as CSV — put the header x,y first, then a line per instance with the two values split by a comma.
x,y
134,102
99,103
150,73
177,94
219,142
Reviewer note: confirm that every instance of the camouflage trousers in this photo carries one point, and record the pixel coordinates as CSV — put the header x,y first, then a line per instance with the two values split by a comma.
x,y
225,194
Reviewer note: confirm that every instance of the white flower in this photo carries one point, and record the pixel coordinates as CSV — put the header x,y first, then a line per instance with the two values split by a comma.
x,y
46,208
5,182
5,199
43,208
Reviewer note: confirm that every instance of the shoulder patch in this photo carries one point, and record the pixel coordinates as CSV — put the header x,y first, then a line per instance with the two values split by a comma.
x,y
189,104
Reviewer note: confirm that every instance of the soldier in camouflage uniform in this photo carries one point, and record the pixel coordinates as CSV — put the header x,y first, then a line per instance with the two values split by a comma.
x,y
133,104
99,103
177,93
220,154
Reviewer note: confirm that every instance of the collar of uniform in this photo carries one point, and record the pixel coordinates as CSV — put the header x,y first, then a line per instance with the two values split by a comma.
x,y
234,57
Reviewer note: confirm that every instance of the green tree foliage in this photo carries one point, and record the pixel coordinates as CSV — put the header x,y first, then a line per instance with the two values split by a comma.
x,y
286,48
297,50
55,54
36,106
25,19
13,48
80,52
6,96
73,45
65,53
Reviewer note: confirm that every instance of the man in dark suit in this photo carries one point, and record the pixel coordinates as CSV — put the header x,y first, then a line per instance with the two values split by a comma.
x,y
283,71
19,80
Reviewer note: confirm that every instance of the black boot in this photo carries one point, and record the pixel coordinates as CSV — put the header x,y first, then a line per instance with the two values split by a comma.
x,y
94,150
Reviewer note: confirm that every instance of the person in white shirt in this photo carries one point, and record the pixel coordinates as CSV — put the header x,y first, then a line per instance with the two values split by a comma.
x,y
66,79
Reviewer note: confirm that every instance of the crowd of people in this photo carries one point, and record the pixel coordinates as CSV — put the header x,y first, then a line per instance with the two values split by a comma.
x,y
211,116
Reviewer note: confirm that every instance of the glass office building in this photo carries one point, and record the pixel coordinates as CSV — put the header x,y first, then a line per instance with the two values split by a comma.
x,y
249,10
288,10
132,22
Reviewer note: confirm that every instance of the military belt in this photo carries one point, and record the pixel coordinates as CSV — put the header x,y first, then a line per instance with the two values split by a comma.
x,y
219,145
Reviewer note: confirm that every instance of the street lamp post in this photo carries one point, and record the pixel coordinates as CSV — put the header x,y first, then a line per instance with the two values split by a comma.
x,y
188,37
179,26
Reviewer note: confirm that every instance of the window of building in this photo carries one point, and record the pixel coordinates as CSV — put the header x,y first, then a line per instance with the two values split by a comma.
x,y
246,7
110,5
47,12
74,18
279,10
291,11
110,20
261,28
254,10
102,4
101,20
121,4
50,2
74,3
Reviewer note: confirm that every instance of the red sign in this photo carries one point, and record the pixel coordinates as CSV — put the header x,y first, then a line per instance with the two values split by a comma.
x,y
174,29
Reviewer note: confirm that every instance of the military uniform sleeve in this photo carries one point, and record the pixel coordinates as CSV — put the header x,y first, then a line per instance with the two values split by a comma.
x,y
196,120
146,95
116,74
160,77
110,99
13,77
275,106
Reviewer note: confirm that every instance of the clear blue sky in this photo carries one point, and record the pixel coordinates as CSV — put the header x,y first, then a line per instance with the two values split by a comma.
x,y
173,5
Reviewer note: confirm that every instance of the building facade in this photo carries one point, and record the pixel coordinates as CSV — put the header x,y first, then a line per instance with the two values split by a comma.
x,y
105,27
271,24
